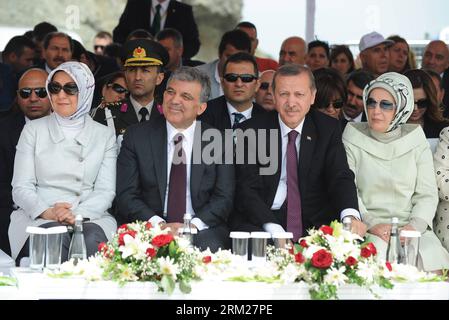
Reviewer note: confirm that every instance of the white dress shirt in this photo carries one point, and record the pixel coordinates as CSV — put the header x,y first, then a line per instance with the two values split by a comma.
x,y
246,114
281,192
137,106
187,146
218,79
356,119
163,12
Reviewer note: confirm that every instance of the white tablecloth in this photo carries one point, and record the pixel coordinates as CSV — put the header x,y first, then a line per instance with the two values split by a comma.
x,y
40,286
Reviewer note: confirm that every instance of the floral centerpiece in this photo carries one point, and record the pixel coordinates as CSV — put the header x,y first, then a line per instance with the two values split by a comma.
x,y
142,252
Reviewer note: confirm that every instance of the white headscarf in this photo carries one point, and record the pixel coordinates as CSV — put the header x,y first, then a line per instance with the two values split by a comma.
x,y
400,87
84,79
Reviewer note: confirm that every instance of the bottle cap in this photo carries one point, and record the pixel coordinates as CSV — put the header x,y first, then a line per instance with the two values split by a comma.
x,y
394,220
79,217
187,216
347,219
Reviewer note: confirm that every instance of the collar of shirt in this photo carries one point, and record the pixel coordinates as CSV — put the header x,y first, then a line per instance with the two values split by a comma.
x,y
356,119
285,130
47,68
137,106
231,110
27,119
217,74
188,134
164,6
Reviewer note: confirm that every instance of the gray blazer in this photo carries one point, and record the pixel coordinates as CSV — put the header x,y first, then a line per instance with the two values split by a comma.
x,y
49,168
209,69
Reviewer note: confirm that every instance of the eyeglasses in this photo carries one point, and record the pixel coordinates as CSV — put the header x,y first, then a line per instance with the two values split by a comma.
x,y
264,85
117,88
69,88
96,47
337,104
383,104
422,103
232,77
25,93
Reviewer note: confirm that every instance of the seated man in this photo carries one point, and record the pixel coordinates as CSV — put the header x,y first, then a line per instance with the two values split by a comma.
x,y
158,177
307,182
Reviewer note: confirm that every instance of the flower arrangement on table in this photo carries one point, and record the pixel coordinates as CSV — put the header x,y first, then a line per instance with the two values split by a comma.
x,y
142,252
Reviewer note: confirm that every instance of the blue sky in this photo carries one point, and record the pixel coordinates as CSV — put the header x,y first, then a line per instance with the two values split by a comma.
x,y
339,21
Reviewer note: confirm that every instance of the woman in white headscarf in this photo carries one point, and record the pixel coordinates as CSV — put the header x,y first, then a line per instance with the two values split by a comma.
x,y
65,165
393,168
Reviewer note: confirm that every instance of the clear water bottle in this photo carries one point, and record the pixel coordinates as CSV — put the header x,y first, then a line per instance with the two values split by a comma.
x,y
347,223
77,250
394,249
187,231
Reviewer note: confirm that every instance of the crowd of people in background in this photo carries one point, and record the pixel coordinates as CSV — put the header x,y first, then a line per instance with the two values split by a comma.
x,y
96,131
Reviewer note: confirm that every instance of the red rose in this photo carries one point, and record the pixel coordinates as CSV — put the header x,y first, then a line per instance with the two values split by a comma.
x,y
371,247
322,259
161,240
102,247
327,230
121,236
299,258
366,253
151,252
148,225
122,228
388,265
207,259
303,243
351,261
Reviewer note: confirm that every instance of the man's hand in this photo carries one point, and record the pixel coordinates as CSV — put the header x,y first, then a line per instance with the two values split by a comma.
x,y
382,230
174,226
358,227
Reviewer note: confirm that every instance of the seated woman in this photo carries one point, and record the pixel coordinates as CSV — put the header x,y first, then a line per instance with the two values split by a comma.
x,y
65,165
441,162
393,168
426,112
331,92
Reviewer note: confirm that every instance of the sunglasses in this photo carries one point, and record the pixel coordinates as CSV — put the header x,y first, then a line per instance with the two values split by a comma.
x,y
383,104
264,85
337,104
99,47
422,103
25,93
117,88
69,88
232,77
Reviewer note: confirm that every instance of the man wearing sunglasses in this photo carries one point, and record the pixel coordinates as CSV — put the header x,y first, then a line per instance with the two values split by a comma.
x,y
312,184
264,96
240,83
143,72
32,103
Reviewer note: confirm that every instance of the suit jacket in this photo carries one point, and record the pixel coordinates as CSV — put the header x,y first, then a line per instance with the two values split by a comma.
x,y
344,122
137,15
446,92
326,183
10,129
49,168
142,178
217,114
123,119
209,69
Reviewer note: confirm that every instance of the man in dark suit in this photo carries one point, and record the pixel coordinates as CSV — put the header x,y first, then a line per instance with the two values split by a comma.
x,y
144,14
159,178
311,186
240,82
353,109
143,72
32,103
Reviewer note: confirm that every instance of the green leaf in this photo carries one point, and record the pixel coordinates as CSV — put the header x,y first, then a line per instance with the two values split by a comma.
x,y
184,286
7,281
167,284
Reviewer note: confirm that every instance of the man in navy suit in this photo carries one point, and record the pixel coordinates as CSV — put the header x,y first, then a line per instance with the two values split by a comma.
x,y
158,177
312,184
145,14
240,82
32,103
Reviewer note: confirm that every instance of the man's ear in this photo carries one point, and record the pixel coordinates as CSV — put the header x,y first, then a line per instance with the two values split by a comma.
x,y
202,108
160,77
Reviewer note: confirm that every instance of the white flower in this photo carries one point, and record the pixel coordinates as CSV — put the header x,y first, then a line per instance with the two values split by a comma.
x,y
168,266
366,271
308,252
290,273
336,276
134,247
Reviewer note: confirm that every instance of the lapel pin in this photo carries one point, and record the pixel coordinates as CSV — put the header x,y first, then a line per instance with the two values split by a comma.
x,y
309,138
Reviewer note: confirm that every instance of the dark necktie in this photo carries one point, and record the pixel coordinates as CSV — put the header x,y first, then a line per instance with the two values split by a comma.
x,y
143,112
176,206
294,218
237,118
156,26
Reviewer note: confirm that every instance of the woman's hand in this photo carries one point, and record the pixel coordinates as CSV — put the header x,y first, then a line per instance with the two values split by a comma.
x,y
382,230
63,213
49,214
